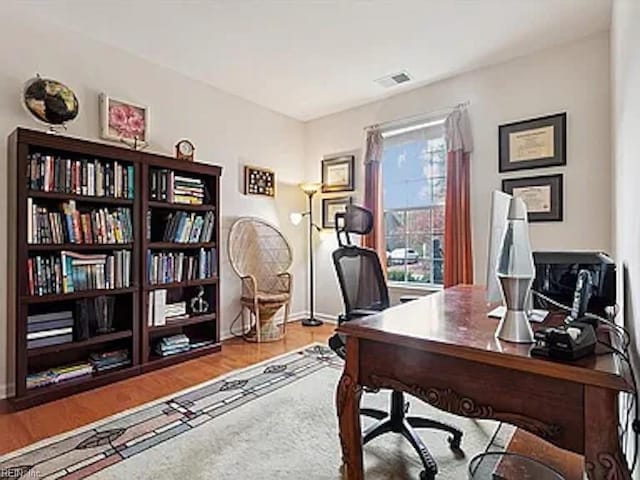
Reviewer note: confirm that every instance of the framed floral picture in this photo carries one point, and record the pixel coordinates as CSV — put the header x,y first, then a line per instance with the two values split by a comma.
x,y
123,121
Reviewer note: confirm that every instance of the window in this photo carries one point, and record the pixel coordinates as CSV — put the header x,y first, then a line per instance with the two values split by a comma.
x,y
413,176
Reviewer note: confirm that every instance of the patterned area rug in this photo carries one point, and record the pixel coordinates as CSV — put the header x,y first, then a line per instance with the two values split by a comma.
x,y
274,420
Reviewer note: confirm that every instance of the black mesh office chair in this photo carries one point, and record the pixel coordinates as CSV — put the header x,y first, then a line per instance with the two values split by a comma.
x,y
364,291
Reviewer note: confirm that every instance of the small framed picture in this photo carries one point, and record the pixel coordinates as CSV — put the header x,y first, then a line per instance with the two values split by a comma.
x,y
539,142
337,174
123,121
331,206
259,181
542,195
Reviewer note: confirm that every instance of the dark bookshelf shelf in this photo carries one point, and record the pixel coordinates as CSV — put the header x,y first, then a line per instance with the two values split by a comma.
x,y
181,323
158,361
42,247
75,295
184,284
181,206
180,246
97,340
78,198
34,396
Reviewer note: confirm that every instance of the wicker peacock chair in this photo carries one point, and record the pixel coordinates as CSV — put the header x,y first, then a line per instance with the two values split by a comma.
x,y
260,255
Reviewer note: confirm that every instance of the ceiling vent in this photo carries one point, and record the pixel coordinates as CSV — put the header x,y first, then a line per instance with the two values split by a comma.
x,y
393,79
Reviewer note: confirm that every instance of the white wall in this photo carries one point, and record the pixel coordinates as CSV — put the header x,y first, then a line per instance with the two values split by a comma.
x,y
625,70
572,78
226,130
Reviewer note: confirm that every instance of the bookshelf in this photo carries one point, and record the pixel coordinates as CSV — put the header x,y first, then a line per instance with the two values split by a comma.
x,y
157,228
82,225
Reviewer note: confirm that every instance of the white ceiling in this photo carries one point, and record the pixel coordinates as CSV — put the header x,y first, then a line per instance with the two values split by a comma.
x,y
307,58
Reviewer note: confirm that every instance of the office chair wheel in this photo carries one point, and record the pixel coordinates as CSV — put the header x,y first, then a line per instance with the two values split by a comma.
x,y
425,475
454,442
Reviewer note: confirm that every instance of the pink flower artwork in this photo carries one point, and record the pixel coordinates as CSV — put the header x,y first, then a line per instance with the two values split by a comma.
x,y
126,121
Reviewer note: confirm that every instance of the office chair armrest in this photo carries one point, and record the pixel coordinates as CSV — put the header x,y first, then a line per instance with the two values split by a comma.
x,y
286,279
249,286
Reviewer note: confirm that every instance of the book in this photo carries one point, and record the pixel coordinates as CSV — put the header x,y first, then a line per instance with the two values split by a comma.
x,y
159,302
69,272
184,227
49,333
48,341
87,177
165,185
46,317
170,267
69,225
50,325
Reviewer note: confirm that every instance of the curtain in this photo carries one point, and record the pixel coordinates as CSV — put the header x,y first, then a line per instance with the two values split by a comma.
x,y
373,192
458,258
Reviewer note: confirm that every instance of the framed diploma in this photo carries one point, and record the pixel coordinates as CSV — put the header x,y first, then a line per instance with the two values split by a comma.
x,y
542,195
539,142
331,206
337,174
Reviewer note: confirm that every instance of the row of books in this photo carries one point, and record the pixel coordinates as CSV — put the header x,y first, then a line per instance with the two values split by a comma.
x,y
99,226
94,178
101,362
183,227
59,374
165,185
97,362
48,329
174,344
70,272
161,313
179,266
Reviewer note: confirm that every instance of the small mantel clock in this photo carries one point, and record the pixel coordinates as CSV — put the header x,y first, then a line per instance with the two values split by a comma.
x,y
185,150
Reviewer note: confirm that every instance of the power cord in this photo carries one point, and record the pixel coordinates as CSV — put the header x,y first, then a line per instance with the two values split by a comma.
x,y
625,338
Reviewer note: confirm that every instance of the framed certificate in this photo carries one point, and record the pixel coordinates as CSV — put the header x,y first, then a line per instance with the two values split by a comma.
x,y
331,206
337,174
539,142
542,195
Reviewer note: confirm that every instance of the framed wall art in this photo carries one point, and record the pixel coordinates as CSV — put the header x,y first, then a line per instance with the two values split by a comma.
x,y
124,121
539,142
331,206
543,196
259,181
337,174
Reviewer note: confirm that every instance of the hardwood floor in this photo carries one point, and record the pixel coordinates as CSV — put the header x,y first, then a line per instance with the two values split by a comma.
x,y
19,429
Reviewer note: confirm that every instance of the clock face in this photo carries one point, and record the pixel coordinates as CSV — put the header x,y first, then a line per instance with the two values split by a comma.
x,y
185,148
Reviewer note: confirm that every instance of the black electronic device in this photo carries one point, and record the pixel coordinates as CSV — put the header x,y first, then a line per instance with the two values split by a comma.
x,y
567,342
581,297
557,275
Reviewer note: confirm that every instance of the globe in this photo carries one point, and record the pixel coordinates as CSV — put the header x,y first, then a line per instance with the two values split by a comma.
x,y
50,101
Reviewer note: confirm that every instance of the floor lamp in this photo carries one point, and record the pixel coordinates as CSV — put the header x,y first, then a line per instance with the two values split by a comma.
x,y
310,189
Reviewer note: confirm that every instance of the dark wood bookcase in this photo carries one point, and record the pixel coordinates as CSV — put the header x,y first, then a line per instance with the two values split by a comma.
x,y
131,330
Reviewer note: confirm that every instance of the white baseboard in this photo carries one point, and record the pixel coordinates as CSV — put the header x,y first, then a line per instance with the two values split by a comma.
x,y
7,391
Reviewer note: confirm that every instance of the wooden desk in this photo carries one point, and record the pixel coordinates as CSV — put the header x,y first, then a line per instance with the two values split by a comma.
x,y
442,350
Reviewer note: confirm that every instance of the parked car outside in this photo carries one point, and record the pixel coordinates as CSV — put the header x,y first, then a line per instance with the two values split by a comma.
x,y
402,255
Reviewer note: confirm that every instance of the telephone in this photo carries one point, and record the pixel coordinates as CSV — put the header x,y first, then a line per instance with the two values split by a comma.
x,y
581,296
577,337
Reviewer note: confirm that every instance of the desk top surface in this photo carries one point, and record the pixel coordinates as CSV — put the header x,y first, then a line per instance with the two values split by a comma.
x,y
454,322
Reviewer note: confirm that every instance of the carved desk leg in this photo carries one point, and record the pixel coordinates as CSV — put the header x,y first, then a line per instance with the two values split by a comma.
x,y
348,407
603,456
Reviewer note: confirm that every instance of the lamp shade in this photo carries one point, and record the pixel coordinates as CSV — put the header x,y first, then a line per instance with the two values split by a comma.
x,y
295,218
310,187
